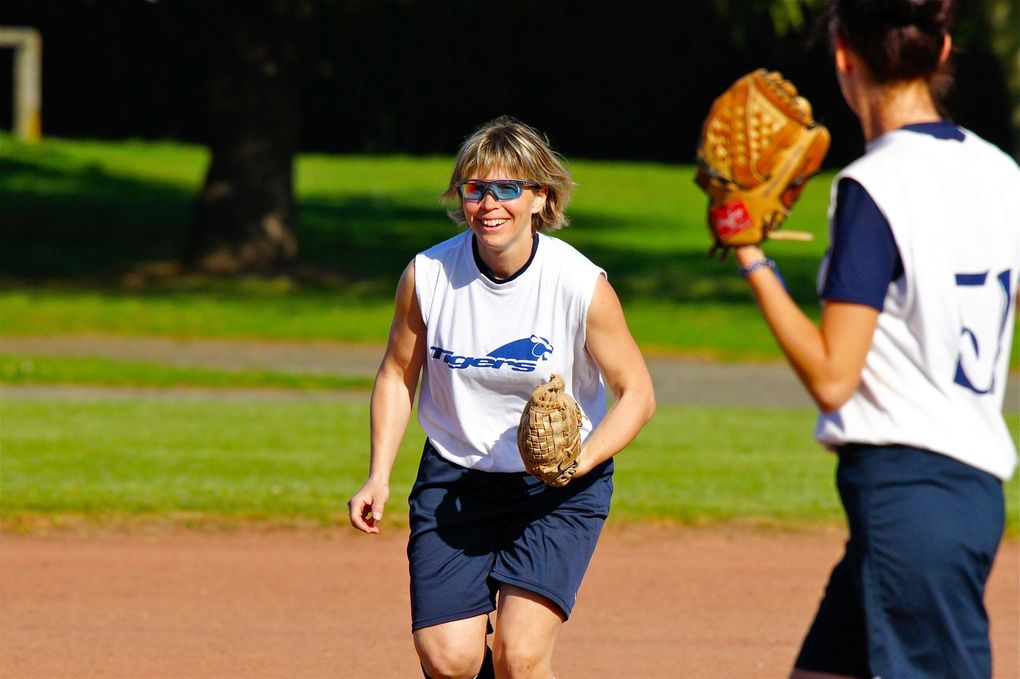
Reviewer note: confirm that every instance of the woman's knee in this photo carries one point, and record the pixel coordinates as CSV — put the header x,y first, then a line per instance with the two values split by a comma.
x,y
447,657
526,632
450,663
521,659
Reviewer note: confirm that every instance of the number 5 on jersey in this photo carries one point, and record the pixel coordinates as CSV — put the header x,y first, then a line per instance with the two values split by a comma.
x,y
984,320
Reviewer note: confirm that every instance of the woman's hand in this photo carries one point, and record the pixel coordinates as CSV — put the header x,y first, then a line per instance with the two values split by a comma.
x,y
365,509
584,463
748,254
392,398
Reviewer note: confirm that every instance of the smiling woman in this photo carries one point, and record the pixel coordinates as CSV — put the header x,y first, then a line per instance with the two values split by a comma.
x,y
504,212
483,318
502,225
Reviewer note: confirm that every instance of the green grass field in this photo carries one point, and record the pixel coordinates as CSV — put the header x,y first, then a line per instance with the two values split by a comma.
x,y
109,372
116,459
80,219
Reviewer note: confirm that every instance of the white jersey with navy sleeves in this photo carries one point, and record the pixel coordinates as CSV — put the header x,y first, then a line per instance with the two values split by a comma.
x,y
489,344
935,375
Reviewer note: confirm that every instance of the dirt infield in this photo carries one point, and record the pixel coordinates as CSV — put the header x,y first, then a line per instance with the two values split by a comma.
x,y
658,602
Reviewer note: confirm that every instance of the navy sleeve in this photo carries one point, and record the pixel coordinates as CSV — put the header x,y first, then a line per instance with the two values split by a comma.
x,y
863,258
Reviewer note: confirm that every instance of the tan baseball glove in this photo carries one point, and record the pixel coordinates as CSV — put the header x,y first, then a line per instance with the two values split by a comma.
x,y
759,146
549,435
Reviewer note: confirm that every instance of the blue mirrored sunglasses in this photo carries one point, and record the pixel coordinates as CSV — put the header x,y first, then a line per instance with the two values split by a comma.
x,y
501,189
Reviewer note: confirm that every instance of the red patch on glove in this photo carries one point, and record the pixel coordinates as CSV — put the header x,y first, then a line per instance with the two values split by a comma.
x,y
730,219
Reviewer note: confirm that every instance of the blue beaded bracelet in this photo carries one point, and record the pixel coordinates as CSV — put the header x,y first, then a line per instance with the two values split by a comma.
x,y
746,271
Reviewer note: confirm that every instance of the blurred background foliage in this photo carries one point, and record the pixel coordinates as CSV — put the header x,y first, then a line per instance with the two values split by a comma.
x,y
169,101
605,80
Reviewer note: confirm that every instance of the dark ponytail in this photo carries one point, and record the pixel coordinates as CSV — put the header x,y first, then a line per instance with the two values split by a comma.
x,y
897,39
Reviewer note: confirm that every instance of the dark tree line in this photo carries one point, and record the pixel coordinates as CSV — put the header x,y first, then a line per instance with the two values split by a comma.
x,y
259,80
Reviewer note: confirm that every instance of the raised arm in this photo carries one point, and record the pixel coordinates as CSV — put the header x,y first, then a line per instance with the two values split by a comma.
x,y
610,343
827,359
392,400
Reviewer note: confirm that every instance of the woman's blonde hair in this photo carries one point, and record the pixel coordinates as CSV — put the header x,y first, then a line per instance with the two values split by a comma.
x,y
522,152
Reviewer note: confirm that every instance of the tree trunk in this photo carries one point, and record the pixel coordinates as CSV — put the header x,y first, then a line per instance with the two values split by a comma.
x,y
245,218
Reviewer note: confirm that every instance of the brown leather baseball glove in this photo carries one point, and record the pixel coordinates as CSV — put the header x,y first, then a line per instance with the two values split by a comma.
x,y
549,435
759,145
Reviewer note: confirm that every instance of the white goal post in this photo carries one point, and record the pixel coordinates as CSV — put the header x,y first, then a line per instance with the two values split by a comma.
x,y
27,45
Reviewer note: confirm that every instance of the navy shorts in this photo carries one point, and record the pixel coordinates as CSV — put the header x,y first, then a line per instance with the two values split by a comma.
x,y
472,530
907,599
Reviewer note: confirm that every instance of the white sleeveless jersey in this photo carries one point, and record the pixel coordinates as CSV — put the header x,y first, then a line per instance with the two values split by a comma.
x,y
935,375
490,344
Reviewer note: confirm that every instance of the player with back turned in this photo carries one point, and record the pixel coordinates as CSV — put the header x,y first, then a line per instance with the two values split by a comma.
x,y
484,318
909,364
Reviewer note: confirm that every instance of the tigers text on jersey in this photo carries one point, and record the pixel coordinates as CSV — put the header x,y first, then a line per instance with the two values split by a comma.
x,y
490,344
935,375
